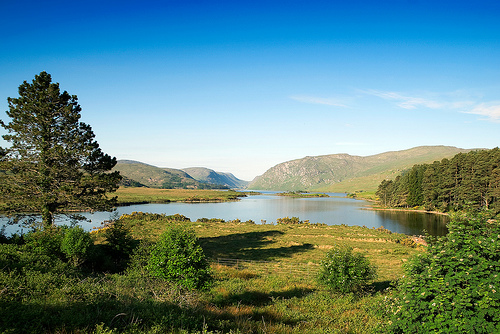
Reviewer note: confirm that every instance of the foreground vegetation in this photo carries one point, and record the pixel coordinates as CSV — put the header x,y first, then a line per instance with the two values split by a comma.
x,y
264,280
454,286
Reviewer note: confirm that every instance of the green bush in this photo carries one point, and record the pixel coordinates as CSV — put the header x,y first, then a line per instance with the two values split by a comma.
x,y
119,238
344,271
139,259
119,246
455,286
76,244
46,241
178,257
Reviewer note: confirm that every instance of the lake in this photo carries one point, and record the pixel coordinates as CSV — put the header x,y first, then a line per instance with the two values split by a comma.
x,y
267,207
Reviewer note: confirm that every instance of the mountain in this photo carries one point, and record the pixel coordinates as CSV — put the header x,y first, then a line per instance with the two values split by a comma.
x,y
347,173
139,174
154,177
209,176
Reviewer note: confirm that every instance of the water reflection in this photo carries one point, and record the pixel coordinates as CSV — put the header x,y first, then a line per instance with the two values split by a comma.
x,y
414,223
268,207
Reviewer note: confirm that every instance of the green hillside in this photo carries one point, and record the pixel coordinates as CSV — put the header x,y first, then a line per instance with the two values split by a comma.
x,y
154,177
347,173
140,174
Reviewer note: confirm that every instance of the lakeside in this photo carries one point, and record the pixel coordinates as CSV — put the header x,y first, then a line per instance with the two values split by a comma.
x,y
142,195
375,206
406,210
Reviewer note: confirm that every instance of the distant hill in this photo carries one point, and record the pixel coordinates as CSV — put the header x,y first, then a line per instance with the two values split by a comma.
x,y
140,174
154,177
347,173
210,176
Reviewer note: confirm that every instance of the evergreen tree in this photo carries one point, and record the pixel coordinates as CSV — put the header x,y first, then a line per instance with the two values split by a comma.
x,y
385,192
453,176
495,180
53,163
430,186
446,185
470,180
401,187
484,169
415,189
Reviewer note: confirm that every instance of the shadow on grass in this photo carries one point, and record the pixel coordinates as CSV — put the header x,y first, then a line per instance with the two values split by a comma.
x,y
249,246
258,298
380,286
78,317
139,315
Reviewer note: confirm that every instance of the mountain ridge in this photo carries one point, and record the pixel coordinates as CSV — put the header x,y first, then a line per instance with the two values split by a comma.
x,y
345,172
207,175
136,173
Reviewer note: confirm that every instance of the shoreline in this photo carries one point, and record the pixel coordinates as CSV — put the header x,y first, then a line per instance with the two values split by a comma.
x,y
407,210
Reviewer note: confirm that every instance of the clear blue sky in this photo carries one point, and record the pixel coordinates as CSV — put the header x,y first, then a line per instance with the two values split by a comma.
x,y
240,86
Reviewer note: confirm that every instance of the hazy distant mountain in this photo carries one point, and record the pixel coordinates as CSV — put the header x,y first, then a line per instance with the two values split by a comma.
x,y
140,174
347,173
210,176
154,177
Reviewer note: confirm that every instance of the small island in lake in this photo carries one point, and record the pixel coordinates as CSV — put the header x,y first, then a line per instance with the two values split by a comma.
x,y
302,194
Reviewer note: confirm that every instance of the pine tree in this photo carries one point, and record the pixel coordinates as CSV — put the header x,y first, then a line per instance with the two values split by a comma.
x,y
385,192
415,189
53,163
430,186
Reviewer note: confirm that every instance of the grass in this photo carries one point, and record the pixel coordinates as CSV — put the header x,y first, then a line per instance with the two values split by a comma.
x,y
279,299
289,244
365,195
135,195
272,290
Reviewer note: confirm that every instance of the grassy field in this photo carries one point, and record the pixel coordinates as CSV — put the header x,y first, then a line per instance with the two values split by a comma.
x,y
266,275
265,282
297,244
135,195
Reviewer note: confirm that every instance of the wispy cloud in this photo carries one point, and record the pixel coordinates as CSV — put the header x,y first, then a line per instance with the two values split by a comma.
x,y
405,101
490,110
457,101
319,100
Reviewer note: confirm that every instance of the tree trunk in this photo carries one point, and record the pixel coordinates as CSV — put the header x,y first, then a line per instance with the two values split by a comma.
x,y
47,216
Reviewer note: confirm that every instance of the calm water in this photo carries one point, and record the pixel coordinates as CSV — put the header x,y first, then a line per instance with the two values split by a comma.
x,y
267,207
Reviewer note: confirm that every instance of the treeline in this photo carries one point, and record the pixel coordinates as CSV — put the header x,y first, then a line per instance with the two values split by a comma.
x,y
468,180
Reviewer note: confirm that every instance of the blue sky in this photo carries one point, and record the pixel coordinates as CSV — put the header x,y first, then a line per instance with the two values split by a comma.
x,y
240,86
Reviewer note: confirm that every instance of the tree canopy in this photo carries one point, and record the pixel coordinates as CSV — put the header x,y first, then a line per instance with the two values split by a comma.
x,y
53,163
468,180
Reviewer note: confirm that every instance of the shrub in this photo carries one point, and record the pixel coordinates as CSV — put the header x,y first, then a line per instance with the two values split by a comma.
x,y
455,286
139,259
119,239
407,242
289,221
76,244
114,254
344,271
46,241
178,257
